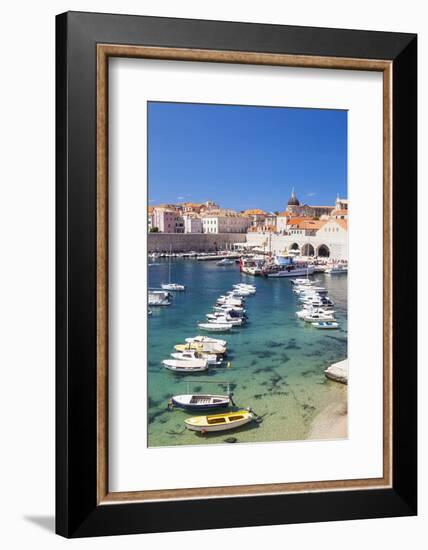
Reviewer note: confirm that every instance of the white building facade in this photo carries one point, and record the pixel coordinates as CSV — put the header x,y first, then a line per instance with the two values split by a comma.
x,y
225,224
192,224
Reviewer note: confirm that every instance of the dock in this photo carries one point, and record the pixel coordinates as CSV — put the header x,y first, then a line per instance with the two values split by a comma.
x,y
211,257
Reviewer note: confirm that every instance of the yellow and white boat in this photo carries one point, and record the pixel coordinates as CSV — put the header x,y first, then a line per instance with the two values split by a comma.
x,y
202,347
219,422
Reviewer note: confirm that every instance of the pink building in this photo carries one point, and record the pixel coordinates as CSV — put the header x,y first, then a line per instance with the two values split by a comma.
x,y
165,220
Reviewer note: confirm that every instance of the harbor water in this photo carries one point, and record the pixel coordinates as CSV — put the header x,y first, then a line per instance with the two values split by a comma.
x,y
276,361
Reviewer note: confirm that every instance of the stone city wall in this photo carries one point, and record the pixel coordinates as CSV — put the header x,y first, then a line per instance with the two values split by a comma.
x,y
199,242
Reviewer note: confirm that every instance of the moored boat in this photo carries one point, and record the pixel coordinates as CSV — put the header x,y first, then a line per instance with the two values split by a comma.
x,y
314,317
224,318
207,347
215,327
251,266
219,422
177,365
191,355
207,339
326,325
173,287
200,401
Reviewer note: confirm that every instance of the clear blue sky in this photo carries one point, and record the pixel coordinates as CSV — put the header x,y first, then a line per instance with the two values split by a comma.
x,y
245,157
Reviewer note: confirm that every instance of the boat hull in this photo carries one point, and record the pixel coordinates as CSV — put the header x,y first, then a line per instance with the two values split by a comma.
x,y
177,365
297,272
215,327
187,402
195,425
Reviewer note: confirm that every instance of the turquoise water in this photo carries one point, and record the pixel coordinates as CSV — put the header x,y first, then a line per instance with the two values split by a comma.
x,y
277,360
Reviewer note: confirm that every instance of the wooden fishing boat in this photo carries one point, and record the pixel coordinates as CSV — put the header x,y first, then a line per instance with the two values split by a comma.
x,y
219,422
200,401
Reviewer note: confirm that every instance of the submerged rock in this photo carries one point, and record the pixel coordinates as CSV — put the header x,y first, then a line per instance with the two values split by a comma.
x,y
230,440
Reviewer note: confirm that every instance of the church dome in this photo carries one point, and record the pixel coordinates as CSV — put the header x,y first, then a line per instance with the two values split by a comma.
x,y
293,200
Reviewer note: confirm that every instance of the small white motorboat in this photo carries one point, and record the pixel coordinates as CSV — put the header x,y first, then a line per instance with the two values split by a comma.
x,y
314,310
228,300
215,327
191,355
336,270
226,308
239,292
173,287
177,365
247,289
318,302
220,318
301,282
207,339
326,325
225,261
314,317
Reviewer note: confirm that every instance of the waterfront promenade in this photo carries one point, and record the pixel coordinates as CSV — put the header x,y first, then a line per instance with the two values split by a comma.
x,y
336,245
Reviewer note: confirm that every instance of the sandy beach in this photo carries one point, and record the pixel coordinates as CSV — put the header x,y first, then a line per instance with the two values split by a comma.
x,y
331,422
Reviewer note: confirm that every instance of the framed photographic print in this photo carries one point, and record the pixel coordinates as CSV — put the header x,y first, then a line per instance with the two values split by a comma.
x,y
232,265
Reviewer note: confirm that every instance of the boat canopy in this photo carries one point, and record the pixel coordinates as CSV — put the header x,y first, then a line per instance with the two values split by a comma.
x,y
283,260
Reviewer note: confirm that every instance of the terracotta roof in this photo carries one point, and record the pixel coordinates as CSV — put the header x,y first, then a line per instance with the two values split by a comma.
x,y
312,224
309,224
299,219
